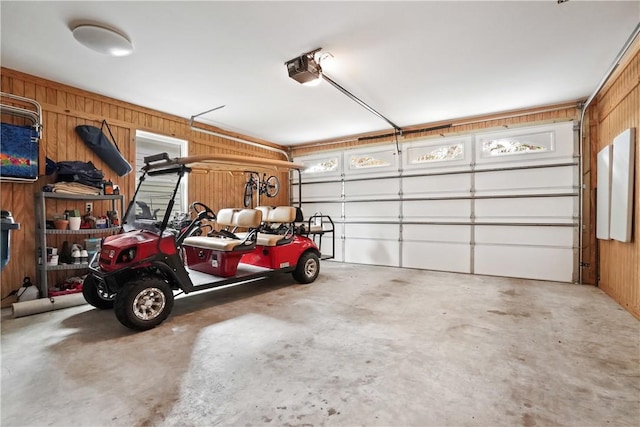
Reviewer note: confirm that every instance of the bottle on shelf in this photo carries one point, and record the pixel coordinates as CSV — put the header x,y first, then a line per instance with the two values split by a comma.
x,y
88,220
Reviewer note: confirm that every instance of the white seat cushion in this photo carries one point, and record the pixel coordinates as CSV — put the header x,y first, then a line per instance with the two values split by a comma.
x,y
224,244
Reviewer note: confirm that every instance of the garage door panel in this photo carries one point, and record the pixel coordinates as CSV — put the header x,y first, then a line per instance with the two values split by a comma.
x,y
372,251
436,233
535,236
542,263
363,190
371,231
529,181
318,191
436,256
372,211
437,186
437,210
334,210
527,210
500,202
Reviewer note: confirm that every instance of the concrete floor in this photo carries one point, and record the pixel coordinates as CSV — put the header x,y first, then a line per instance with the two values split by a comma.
x,y
361,346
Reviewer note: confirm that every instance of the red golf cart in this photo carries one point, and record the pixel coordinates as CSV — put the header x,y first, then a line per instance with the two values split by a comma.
x,y
137,271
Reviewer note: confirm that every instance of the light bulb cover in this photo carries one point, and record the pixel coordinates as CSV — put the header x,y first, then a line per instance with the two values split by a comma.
x,y
102,40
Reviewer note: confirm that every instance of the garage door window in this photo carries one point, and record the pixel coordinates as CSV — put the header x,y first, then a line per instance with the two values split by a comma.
x,y
524,144
436,153
321,165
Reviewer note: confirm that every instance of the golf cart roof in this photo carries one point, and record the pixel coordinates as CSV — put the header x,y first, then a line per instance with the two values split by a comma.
x,y
218,162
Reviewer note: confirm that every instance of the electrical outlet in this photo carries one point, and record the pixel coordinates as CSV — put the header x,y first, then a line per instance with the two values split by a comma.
x,y
89,207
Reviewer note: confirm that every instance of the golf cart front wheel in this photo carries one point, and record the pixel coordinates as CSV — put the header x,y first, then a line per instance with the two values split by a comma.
x,y
95,294
308,268
144,304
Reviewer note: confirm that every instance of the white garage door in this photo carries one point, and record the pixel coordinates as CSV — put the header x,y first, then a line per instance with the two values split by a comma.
x,y
503,203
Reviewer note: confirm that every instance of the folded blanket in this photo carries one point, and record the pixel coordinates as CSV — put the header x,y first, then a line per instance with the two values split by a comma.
x,y
75,188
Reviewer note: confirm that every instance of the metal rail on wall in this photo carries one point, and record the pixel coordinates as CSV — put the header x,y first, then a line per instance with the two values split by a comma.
x,y
233,138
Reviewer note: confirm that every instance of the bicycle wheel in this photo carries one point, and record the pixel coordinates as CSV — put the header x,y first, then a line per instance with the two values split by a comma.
x,y
272,185
248,194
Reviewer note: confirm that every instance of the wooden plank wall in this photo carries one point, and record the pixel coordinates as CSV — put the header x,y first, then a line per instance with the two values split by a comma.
x,y
64,108
616,108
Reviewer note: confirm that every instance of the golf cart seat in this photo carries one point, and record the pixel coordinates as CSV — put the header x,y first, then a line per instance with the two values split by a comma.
x,y
277,225
220,254
230,219
308,227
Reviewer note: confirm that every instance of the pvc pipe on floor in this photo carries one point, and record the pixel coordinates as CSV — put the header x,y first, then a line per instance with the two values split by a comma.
x,y
41,305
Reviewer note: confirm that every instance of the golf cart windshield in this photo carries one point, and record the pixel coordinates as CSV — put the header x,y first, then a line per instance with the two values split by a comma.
x,y
154,195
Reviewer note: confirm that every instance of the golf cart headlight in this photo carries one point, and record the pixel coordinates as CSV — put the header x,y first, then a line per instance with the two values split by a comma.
x,y
127,255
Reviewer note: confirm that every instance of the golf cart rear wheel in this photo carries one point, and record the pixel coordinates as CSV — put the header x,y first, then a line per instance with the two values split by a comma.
x,y
144,303
308,268
95,294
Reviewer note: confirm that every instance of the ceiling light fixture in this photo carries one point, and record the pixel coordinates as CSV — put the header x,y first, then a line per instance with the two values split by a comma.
x,y
102,39
306,69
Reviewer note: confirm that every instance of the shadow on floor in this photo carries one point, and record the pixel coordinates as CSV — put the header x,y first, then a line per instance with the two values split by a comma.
x,y
96,325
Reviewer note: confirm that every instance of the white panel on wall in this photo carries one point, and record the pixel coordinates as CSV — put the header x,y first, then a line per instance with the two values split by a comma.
x,y
527,210
622,179
603,197
528,181
377,190
437,185
531,262
437,210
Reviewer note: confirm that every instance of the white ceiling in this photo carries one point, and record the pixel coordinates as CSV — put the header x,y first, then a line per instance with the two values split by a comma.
x,y
414,62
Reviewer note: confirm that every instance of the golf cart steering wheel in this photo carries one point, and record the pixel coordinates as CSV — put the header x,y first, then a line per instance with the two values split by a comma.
x,y
203,211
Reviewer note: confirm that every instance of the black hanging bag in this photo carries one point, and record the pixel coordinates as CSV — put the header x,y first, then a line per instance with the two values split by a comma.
x,y
81,172
100,144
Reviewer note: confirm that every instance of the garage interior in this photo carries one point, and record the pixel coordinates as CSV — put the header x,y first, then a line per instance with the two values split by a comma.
x,y
471,283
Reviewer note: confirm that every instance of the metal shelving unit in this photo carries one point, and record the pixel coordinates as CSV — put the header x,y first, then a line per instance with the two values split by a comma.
x,y
42,232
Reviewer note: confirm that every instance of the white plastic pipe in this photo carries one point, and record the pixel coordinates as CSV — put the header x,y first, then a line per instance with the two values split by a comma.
x,y
41,305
